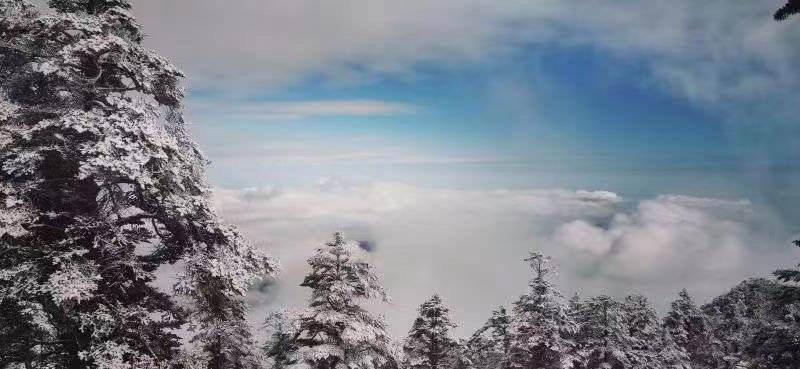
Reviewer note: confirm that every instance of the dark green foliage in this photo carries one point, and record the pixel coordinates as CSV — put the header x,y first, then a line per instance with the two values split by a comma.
x,y
791,7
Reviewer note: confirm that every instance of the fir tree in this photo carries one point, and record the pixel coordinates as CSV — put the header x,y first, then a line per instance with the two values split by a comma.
x,y
335,331
429,344
671,355
541,327
282,327
100,185
690,330
489,346
602,336
643,333
462,356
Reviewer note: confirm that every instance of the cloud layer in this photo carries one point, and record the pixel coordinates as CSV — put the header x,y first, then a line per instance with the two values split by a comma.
x,y
468,244
715,52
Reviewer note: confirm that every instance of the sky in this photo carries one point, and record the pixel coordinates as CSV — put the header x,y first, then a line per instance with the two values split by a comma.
x,y
646,146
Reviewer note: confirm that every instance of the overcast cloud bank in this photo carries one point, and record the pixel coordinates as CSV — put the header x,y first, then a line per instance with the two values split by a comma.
x,y
468,244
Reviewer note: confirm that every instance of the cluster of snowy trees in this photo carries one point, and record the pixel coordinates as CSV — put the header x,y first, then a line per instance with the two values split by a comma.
x,y
101,187
755,325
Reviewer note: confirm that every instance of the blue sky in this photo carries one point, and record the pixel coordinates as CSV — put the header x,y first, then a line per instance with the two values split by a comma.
x,y
574,117
647,146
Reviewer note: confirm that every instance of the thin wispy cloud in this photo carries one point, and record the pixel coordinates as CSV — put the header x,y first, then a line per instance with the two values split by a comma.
x,y
344,152
269,110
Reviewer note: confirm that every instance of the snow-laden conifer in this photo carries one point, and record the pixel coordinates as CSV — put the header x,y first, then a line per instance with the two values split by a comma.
x,y
691,331
100,185
645,339
541,328
429,344
489,346
335,331
602,337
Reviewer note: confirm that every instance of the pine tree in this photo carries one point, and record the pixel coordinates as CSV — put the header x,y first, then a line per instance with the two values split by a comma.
x,y
282,327
644,335
673,356
541,327
462,356
429,344
690,330
100,185
335,331
602,336
489,346
624,335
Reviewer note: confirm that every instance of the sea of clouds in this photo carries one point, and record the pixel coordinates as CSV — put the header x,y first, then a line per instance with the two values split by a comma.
x,y
468,245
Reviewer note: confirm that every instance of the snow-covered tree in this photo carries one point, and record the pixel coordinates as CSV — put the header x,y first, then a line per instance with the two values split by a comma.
x,y
645,339
541,328
671,355
789,275
281,326
757,329
624,335
735,317
335,331
790,278
462,357
100,185
690,330
489,346
429,344
602,337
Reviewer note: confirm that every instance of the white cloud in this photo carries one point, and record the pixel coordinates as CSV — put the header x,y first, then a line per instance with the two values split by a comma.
x,y
342,151
714,52
669,238
366,202
268,110
582,236
468,244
